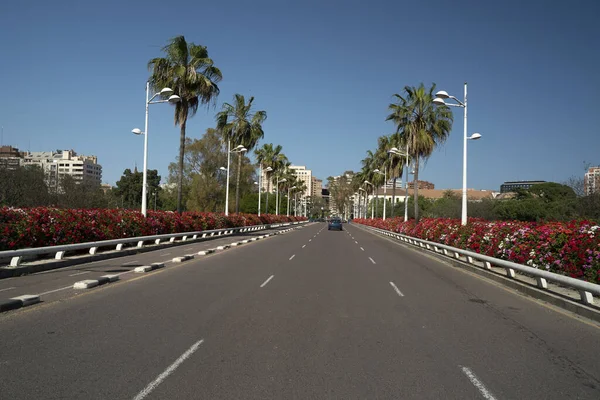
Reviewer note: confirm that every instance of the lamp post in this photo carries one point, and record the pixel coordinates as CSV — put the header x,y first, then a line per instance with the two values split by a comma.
x,y
362,211
397,152
277,195
384,173
267,170
288,200
238,149
366,202
173,98
439,100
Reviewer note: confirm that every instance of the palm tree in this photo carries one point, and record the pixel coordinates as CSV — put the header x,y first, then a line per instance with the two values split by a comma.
x,y
243,126
423,125
396,164
189,71
270,156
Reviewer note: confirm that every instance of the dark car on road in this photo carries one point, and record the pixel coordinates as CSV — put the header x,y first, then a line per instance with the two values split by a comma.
x,y
335,223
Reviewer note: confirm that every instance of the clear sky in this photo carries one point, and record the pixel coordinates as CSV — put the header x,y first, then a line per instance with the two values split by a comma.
x,y
73,76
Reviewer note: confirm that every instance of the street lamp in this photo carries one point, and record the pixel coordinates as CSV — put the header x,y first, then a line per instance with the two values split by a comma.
x,y
384,173
362,211
373,191
277,195
288,201
238,149
397,152
172,98
439,100
267,170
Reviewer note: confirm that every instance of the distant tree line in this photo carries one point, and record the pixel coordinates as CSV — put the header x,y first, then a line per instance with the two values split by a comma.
x,y
542,202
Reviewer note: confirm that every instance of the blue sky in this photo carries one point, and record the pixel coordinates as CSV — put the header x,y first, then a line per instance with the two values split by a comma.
x,y
73,76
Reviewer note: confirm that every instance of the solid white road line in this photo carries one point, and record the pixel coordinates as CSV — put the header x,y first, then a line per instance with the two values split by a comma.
x,y
362,249
166,254
152,385
80,273
396,289
267,281
303,246
131,262
56,290
9,288
126,272
477,383
373,261
292,257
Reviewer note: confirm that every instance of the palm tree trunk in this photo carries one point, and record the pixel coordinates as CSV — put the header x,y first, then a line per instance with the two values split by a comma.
x,y
393,195
416,190
180,175
237,184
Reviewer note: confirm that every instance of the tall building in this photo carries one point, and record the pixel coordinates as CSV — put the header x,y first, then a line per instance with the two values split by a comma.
x,y
317,186
514,185
591,181
304,175
10,157
65,162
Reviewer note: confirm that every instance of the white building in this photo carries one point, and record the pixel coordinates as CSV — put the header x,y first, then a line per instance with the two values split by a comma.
x,y
591,181
65,162
304,175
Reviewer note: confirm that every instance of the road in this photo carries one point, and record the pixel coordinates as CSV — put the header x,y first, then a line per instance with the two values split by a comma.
x,y
312,314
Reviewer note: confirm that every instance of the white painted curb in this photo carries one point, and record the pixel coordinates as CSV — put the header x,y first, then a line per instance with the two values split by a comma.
x,y
27,299
88,283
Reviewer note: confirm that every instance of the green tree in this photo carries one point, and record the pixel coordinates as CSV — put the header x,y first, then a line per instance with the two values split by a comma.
x,y
241,125
423,125
129,187
270,156
187,69
24,187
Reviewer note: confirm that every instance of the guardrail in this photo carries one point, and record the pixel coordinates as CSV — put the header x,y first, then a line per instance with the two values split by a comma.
x,y
59,251
586,289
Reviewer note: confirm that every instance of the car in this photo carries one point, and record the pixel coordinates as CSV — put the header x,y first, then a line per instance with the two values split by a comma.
x,y
335,223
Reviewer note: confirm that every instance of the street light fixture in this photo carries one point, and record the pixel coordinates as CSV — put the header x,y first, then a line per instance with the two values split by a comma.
x,y
173,98
238,149
439,100
277,194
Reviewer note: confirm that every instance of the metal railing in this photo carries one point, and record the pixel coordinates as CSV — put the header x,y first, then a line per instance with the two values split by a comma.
x,y
59,251
586,289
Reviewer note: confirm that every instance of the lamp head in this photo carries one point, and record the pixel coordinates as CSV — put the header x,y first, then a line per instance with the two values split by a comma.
x,y
137,131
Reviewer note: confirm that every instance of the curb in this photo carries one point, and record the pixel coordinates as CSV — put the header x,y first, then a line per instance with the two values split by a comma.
x,y
183,258
19,302
205,252
148,268
90,283
521,287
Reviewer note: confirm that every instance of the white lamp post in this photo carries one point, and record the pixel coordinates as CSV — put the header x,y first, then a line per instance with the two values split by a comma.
x,y
239,149
384,173
397,152
173,98
267,170
366,202
288,200
277,195
439,100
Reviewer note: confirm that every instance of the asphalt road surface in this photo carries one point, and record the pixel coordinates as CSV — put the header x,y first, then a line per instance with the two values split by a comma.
x,y
311,314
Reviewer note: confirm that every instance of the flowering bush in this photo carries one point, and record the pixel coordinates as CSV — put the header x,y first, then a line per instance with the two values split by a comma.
x,y
567,248
41,226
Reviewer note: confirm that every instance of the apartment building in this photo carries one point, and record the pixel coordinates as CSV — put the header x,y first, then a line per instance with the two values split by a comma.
x,y
511,186
316,186
591,181
60,163
304,175
10,157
